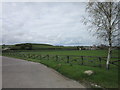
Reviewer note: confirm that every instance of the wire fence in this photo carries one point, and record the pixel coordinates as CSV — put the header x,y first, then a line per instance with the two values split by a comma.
x,y
94,61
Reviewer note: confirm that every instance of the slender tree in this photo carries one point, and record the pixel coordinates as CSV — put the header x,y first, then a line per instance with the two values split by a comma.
x,y
103,18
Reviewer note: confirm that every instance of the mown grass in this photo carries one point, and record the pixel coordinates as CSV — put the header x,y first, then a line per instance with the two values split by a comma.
x,y
75,52
102,77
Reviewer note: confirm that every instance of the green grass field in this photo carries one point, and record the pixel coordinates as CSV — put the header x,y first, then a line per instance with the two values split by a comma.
x,y
75,52
102,77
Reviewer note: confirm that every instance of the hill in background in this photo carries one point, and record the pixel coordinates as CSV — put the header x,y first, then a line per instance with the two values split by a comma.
x,y
35,46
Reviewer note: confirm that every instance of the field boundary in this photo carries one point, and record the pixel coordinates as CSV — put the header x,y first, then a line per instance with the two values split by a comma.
x,y
94,61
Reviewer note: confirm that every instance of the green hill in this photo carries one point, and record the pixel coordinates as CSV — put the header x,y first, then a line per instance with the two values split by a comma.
x,y
35,46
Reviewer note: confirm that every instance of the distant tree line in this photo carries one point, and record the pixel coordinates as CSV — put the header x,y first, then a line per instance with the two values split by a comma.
x,y
25,46
30,46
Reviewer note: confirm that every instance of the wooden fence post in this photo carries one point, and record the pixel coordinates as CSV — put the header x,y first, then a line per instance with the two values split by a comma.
x,y
56,57
48,56
68,59
82,60
100,61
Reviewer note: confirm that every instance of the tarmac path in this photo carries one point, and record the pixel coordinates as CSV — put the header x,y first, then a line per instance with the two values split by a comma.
x,y
17,73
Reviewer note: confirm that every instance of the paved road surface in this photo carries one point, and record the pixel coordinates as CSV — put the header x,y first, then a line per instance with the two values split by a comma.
x,y
25,74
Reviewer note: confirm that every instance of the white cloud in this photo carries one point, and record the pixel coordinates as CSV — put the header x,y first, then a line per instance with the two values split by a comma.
x,y
54,23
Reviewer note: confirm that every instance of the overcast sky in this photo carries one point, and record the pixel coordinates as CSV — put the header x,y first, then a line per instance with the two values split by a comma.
x,y
50,23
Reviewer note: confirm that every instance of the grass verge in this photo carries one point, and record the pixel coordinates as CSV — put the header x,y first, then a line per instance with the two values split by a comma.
x,y
102,77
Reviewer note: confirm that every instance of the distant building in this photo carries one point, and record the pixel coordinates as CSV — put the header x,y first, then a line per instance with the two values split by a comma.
x,y
94,47
90,47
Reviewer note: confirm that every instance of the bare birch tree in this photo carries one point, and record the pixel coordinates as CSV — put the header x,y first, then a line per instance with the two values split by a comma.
x,y
104,19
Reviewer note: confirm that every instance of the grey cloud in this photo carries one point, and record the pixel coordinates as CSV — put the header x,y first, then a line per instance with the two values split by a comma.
x,y
54,23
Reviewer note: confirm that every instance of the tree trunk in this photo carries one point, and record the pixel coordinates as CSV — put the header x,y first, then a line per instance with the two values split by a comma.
x,y
109,37
108,57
